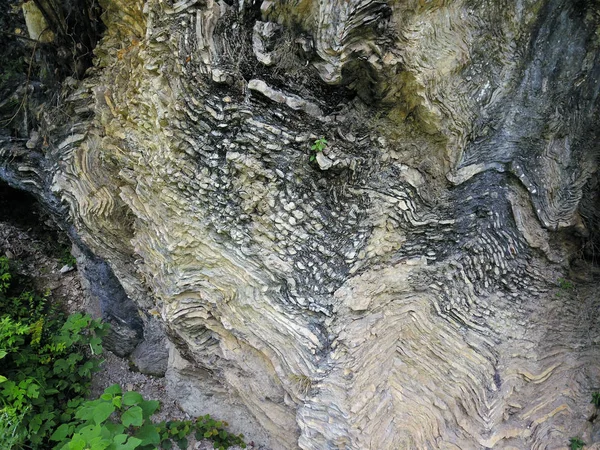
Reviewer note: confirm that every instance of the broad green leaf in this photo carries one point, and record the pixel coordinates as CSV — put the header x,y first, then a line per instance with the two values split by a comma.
x,y
103,412
3,378
35,424
60,366
33,390
133,416
119,439
148,435
74,403
114,428
149,407
105,432
90,431
115,389
85,413
77,443
3,353
132,398
96,345
98,443
86,369
131,444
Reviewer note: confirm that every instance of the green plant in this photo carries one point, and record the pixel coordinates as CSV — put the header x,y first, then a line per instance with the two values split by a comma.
x,y
576,443
47,361
208,428
303,383
67,258
10,433
318,146
120,420
565,284
596,399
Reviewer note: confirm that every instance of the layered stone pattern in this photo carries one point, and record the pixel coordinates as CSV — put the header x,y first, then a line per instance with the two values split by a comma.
x,y
398,291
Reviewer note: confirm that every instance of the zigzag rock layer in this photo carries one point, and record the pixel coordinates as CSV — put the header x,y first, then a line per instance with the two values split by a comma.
x,y
397,289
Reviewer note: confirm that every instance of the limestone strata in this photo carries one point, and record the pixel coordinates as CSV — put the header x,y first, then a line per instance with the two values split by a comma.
x,y
400,290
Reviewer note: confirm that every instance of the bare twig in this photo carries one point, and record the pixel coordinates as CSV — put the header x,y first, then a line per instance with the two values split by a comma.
x,y
7,121
25,38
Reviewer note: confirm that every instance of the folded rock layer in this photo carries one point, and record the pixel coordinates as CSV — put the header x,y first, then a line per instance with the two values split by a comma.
x,y
399,287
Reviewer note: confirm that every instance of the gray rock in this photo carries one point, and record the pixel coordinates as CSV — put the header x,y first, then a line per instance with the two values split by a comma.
x,y
66,268
151,356
263,38
116,308
34,140
291,100
323,161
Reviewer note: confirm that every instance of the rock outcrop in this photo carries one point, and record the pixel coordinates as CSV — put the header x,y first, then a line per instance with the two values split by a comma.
x,y
405,287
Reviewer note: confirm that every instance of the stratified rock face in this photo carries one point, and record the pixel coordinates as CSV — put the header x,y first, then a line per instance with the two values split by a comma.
x,y
398,290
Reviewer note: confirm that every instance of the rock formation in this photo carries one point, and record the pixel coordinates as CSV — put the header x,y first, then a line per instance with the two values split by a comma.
x,y
406,287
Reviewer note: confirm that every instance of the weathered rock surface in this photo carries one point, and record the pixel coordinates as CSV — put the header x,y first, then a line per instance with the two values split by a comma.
x,y
401,292
151,356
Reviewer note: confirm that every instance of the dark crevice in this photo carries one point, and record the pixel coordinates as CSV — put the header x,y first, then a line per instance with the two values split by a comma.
x,y
32,71
293,74
22,210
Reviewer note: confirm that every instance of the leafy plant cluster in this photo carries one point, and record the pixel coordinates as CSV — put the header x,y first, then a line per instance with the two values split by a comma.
x,y
121,421
67,258
596,399
318,146
565,286
46,364
576,443
47,360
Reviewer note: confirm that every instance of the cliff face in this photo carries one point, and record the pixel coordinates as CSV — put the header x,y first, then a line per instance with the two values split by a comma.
x,y
399,289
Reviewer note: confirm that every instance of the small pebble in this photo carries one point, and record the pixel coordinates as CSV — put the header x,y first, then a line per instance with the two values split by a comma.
x,y
66,268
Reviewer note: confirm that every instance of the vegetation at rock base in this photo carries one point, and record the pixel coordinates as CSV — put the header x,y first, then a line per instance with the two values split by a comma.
x,y
48,360
119,420
47,363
